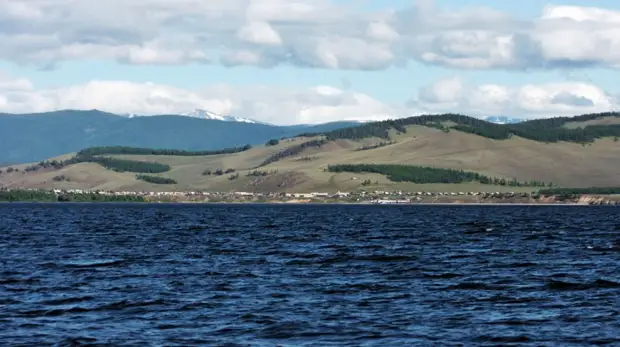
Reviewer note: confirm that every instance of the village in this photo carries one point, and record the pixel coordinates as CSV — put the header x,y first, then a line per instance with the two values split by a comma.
x,y
374,197
359,197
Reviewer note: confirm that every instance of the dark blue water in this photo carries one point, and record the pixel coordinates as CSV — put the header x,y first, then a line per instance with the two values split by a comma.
x,y
265,275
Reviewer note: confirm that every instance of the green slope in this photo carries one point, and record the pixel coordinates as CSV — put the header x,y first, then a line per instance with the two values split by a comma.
x,y
34,137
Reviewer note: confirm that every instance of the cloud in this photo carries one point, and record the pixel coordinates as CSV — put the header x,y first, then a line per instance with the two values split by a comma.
x,y
526,101
259,33
307,33
286,105
277,105
566,98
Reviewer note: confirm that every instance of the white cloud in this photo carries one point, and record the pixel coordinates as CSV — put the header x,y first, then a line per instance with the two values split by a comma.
x,y
241,57
526,101
580,35
381,31
446,92
315,33
259,33
285,105
277,105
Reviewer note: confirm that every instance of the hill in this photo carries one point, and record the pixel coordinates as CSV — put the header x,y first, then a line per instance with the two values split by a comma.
x,y
443,153
579,129
34,137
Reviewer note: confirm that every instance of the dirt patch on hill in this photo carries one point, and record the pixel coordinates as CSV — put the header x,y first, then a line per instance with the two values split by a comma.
x,y
277,182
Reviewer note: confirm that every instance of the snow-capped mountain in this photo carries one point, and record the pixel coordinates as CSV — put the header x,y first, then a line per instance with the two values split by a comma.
x,y
205,114
502,120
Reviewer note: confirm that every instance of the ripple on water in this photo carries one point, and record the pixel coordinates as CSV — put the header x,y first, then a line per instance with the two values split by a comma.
x,y
308,275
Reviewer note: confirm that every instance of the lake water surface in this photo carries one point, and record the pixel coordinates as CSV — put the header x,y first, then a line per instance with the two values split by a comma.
x,y
324,275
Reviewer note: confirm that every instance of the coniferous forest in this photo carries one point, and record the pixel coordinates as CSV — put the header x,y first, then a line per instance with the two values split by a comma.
x,y
292,151
151,151
123,165
422,175
156,179
47,196
579,191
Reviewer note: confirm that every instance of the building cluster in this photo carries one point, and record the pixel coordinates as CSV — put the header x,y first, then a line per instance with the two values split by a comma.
x,y
372,197
376,196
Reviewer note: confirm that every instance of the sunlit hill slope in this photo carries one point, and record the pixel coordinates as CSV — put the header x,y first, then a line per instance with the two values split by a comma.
x,y
568,152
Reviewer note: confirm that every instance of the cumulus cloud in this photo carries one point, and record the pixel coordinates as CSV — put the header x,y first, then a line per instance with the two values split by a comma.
x,y
308,33
277,105
286,105
526,101
260,33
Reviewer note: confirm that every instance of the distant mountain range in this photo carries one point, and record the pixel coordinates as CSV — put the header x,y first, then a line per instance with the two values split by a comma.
x,y
511,158
503,120
206,114
34,137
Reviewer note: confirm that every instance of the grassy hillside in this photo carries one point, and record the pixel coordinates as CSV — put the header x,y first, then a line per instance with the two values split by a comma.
x,y
34,137
295,166
581,129
610,120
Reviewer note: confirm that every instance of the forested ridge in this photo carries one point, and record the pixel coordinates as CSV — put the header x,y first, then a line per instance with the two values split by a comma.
x,y
92,151
542,130
97,155
30,138
115,164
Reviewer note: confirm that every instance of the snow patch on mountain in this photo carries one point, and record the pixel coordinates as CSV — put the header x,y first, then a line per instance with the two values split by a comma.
x,y
205,114
502,120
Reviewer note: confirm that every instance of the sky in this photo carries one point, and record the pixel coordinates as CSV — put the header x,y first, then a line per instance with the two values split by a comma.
x,y
311,61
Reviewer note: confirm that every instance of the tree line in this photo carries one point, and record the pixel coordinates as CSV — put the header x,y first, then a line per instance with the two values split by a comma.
x,y
294,150
124,165
95,155
217,172
376,145
423,174
258,173
44,164
541,130
152,151
47,196
156,179
9,170
118,165
580,191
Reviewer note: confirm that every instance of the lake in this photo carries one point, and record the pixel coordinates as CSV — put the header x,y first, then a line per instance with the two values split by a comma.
x,y
308,275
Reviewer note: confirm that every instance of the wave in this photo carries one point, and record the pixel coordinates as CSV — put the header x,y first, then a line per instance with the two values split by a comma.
x,y
92,263
475,286
597,284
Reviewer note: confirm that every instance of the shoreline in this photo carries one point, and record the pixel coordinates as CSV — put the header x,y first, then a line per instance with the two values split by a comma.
x,y
279,203
363,198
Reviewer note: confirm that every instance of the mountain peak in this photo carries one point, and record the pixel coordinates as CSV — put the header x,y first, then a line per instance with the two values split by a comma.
x,y
502,120
206,114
